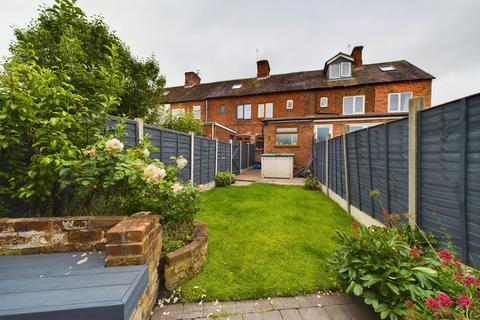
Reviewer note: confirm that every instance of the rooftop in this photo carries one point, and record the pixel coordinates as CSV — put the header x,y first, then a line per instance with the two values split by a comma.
x,y
396,71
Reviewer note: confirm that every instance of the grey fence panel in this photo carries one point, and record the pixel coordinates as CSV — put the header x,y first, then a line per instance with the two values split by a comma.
x,y
223,156
472,181
398,165
353,172
130,138
336,179
244,155
251,154
204,163
450,166
379,167
319,161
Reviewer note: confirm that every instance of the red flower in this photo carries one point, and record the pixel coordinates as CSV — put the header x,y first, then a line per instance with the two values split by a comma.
x,y
448,314
471,279
385,212
458,264
355,225
395,221
445,263
432,303
415,252
408,303
444,300
445,255
464,300
459,276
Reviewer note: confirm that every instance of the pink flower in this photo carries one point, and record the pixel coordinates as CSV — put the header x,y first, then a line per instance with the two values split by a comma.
x,y
464,300
471,279
408,303
448,314
458,264
415,252
445,255
385,212
444,300
459,276
432,303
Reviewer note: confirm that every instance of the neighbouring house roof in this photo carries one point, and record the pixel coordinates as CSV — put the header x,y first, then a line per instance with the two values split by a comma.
x,y
366,116
297,81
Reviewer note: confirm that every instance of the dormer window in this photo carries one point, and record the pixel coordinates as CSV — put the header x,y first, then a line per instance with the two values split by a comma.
x,y
340,70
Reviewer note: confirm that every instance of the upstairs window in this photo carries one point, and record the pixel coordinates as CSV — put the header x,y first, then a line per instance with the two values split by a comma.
x,y
398,102
222,110
286,137
323,102
177,112
289,104
354,105
196,112
340,70
244,111
265,110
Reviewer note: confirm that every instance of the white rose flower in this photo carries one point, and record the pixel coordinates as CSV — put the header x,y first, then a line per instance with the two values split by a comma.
x,y
146,153
153,174
113,145
181,162
177,187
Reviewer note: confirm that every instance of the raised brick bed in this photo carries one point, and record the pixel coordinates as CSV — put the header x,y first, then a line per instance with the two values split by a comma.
x,y
188,260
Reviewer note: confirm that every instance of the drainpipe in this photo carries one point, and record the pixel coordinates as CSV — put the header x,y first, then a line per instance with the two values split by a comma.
x,y
263,136
206,110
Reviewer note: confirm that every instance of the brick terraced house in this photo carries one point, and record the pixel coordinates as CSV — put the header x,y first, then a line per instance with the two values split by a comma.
x,y
283,113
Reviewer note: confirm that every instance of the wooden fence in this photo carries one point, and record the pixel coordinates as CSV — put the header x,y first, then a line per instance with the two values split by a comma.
x,y
427,164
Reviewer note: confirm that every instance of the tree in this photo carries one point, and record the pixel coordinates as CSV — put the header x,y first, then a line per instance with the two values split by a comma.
x,y
184,122
47,36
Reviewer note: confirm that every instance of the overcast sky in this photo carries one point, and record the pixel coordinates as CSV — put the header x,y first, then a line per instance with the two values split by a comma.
x,y
220,38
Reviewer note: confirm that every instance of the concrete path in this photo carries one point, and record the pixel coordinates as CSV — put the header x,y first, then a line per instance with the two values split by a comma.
x,y
309,307
253,175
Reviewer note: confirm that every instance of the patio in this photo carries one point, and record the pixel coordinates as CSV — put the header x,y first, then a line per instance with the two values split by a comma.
x,y
254,175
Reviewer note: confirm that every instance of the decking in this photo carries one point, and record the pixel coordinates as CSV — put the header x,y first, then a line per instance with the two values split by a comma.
x,y
60,286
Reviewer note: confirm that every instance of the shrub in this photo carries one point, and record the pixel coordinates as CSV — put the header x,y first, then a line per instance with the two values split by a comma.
x,y
223,179
312,183
184,122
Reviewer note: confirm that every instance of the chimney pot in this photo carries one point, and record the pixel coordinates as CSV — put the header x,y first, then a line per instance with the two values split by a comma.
x,y
263,69
357,56
191,79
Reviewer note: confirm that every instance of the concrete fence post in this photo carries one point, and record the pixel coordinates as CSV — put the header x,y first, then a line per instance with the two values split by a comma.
x,y
139,129
414,106
192,157
216,156
345,163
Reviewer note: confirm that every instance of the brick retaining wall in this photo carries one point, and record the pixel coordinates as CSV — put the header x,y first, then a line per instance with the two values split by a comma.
x,y
187,261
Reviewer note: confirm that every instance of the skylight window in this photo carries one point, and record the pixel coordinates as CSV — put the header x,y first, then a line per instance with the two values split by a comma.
x,y
387,68
237,86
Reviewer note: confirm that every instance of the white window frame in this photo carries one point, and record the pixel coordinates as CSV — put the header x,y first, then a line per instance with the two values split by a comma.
x,y
177,111
399,94
240,114
269,110
324,102
290,101
342,67
197,112
364,125
329,126
330,71
245,111
354,98
261,110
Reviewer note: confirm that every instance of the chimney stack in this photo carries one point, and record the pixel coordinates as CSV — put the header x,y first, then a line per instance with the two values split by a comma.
x,y
263,69
191,79
357,56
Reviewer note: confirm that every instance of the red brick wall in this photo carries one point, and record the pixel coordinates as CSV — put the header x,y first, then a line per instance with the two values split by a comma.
x,y
218,132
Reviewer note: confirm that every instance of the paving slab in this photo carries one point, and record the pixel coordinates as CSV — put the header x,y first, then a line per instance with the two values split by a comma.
x,y
291,314
314,313
192,311
270,315
263,305
336,312
285,303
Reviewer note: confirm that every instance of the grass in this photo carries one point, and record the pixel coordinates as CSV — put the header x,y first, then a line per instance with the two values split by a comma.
x,y
266,240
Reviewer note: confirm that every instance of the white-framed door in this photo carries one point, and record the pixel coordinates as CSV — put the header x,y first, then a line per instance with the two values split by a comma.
x,y
322,131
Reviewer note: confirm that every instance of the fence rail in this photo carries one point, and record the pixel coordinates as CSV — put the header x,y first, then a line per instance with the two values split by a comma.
x,y
444,181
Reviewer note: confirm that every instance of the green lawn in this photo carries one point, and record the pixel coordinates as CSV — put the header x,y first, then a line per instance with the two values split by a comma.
x,y
266,240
